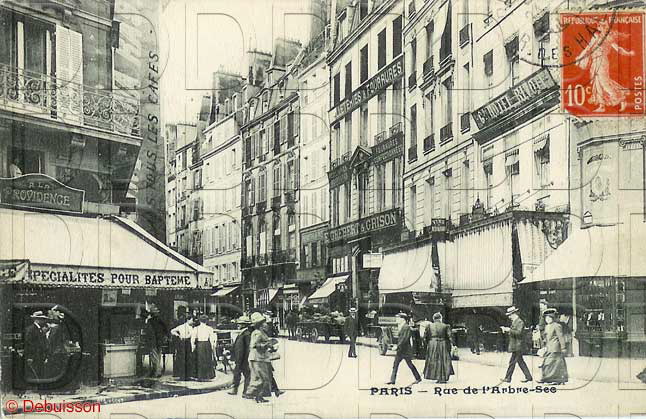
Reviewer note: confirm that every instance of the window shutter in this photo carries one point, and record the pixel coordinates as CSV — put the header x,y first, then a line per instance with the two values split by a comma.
x,y
69,68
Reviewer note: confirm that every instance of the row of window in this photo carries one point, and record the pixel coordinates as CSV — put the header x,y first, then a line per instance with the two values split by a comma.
x,y
396,28
221,238
258,143
313,255
313,207
220,166
226,273
283,179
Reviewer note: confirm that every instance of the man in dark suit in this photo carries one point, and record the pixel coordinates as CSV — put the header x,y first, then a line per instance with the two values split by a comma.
x,y
241,357
516,343
351,328
473,331
36,346
404,349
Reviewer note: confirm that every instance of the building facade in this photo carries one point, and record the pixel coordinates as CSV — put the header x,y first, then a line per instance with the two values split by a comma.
x,y
221,152
271,138
366,64
313,76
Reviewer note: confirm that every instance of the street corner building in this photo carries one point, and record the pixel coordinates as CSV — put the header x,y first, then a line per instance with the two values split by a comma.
x,y
76,247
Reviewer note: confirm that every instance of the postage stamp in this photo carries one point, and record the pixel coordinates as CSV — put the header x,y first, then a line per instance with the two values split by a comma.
x,y
603,63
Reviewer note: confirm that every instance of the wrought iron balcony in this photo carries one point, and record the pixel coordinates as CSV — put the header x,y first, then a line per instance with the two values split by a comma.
x,y
429,143
396,128
47,97
380,137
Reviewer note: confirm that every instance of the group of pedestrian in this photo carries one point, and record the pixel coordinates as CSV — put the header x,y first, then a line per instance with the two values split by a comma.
x,y
253,352
45,352
195,349
553,351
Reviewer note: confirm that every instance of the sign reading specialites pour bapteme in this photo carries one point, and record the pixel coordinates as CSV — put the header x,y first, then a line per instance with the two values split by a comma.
x,y
36,190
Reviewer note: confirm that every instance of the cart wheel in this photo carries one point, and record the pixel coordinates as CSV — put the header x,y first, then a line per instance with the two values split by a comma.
x,y
299,333
383,346
314,336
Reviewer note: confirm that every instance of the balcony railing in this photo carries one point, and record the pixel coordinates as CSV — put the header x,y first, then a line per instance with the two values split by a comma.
x,y
446,132
465,122
396,128
276,201
380,137
47,97
412,153
412,80
429,143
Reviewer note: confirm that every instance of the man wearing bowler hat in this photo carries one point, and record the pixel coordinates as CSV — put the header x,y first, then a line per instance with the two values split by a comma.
x,y
241,356
516,345
404,349
36,346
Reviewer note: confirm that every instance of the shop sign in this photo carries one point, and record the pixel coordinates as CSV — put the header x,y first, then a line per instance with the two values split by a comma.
x,y
370,88
40,191
364,226
526,92
340,175
388,149
108,278
372,260
438,225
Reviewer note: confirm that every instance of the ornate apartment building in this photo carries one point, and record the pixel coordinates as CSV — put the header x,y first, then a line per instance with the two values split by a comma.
x,y
366,64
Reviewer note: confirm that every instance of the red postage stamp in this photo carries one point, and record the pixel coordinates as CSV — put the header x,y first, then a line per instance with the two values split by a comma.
x,y
603,63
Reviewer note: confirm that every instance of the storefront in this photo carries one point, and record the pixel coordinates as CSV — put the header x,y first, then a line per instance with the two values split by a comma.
x,y
103,273
228,303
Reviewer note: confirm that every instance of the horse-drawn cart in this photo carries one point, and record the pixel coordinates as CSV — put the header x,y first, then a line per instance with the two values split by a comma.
x,y
312,330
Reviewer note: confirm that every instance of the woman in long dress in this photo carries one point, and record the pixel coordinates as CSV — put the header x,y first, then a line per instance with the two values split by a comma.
x,y
595,58
259,360
554,367
203,343
438,364
183,363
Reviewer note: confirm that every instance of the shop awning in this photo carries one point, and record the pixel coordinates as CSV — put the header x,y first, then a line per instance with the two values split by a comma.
x,y
610,251
325,290
273,292
408,271
100,252
477,267
224,291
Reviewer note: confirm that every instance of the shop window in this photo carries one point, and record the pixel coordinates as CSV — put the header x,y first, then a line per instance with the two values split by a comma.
x,y
23,161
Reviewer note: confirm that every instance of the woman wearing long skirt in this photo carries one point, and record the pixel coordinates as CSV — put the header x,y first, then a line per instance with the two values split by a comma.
x,y
438,357
554,367
203,341
182,364
259,360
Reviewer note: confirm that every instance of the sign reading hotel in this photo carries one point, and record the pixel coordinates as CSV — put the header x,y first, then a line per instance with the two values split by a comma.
x,y
108,278
367,225
526,92
370,88
40,191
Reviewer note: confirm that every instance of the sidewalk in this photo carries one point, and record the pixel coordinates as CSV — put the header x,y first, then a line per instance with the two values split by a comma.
x,y
609,370
128,391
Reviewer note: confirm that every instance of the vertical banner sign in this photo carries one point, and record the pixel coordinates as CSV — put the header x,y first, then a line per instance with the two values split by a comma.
x,y
137,69
599,187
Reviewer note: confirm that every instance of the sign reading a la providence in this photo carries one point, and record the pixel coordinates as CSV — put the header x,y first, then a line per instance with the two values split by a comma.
x,y
40,191
367,225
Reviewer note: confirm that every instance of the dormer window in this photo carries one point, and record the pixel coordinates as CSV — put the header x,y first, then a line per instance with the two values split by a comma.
x,y
265,101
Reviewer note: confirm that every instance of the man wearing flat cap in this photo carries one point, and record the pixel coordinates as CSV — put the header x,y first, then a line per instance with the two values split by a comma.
x,y
516,332
36,346
404,349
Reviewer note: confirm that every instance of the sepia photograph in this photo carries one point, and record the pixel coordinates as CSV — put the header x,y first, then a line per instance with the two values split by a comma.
x,y
322,208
